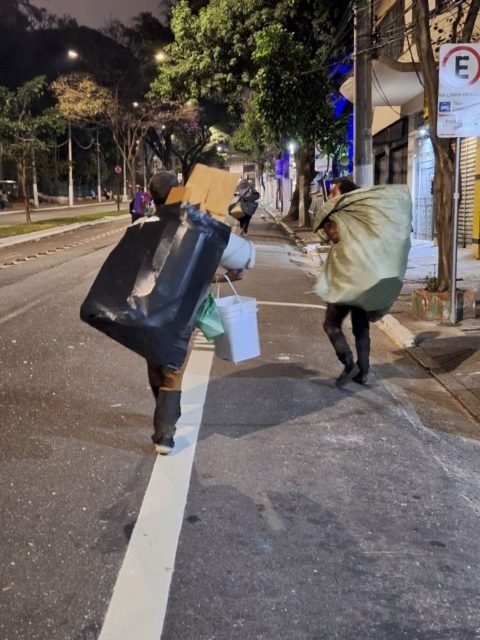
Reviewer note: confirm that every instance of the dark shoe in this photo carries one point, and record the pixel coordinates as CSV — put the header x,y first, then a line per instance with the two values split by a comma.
x,y
165,446
361,377
347,374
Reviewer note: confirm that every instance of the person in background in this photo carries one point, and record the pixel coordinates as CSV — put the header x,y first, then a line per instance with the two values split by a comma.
x,y
135,201
166,384
279,181
336,313
142,204
247,199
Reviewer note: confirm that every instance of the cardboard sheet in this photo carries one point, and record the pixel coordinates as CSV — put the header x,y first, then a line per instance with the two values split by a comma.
x,y
211,189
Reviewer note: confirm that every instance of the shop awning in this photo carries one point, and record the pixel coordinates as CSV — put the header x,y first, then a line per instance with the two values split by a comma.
x,y
393,83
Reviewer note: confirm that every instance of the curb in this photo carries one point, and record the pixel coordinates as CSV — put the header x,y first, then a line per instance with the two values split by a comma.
x,y
290,233
464,396
405,339
397,333
38,235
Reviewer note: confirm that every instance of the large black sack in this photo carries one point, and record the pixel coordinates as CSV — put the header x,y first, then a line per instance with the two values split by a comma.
x,y
149,289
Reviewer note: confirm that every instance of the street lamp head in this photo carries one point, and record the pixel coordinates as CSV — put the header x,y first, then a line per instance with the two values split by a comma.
x,y
72,54
161,56
136,104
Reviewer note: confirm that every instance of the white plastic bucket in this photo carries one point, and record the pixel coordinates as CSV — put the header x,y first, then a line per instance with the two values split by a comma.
x,y
239,253
240,340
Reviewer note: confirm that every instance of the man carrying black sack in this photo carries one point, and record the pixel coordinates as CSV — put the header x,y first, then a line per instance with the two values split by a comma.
x,y
336,313
166,383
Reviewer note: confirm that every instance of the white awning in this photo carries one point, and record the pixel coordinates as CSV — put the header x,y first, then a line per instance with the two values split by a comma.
x,y
393,83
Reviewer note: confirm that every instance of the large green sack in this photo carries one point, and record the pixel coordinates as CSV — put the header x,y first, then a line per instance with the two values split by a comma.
x,y
366,267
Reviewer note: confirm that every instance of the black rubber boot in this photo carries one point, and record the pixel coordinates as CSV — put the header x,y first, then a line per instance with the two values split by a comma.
x,y
349,372
363,360
345,356
165,418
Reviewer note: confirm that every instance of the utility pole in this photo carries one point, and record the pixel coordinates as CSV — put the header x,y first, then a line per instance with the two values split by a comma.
x,y
363,155
125,196
99,176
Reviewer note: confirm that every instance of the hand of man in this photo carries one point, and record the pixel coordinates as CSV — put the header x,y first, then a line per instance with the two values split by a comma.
x,y
235,274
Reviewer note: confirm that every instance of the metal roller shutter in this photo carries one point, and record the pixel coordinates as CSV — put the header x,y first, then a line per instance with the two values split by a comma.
x,y
399,165
467,174
381,169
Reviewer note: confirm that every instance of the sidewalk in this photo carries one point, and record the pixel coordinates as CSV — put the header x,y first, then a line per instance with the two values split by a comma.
x,y
450,354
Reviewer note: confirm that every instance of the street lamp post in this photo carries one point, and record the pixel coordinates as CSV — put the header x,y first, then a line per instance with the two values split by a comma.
x,y
72,55
99,177
70,165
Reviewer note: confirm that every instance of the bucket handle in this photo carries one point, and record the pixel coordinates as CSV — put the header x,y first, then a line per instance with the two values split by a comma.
x,y
232,288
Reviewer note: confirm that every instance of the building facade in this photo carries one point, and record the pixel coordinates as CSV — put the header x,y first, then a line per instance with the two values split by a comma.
x,y
402,149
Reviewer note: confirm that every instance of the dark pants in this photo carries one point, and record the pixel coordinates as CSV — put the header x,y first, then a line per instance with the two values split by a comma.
x,y
244,222
167,389
334,317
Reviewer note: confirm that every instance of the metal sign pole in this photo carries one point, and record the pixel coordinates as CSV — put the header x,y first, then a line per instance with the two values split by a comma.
x,y
456,199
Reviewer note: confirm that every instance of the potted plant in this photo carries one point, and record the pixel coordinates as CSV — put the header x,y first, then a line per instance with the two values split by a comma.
x,y
430,304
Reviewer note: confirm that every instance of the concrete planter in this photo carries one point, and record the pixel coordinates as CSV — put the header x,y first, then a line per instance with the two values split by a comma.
x,y
432,305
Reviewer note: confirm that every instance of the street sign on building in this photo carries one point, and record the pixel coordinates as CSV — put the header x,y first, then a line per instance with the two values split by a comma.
x,y
459,91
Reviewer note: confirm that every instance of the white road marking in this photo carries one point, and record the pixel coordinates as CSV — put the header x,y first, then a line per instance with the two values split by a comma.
x,y
19,312
139,602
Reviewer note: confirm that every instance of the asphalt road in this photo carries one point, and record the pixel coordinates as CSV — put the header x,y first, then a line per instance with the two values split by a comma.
x,y
312,513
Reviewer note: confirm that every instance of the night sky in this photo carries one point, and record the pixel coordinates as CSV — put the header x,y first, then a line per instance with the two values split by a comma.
x,y
95,13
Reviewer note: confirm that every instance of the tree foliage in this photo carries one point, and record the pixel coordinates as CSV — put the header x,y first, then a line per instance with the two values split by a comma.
x,y
277,54
211,55
26,127
24,16
294,94
144,36
79,97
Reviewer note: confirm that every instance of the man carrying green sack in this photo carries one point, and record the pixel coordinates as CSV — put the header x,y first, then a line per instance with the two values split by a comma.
x,y
370,232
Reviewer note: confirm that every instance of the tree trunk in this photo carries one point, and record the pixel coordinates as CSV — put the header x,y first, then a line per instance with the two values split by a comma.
x,y
443,183
133,175
260,166
443,206
22,177
305,163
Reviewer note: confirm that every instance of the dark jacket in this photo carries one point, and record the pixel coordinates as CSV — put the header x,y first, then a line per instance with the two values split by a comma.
x,y
248,201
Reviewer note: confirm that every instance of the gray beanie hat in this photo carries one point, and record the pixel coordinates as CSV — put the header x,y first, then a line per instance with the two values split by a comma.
x,y
160,185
